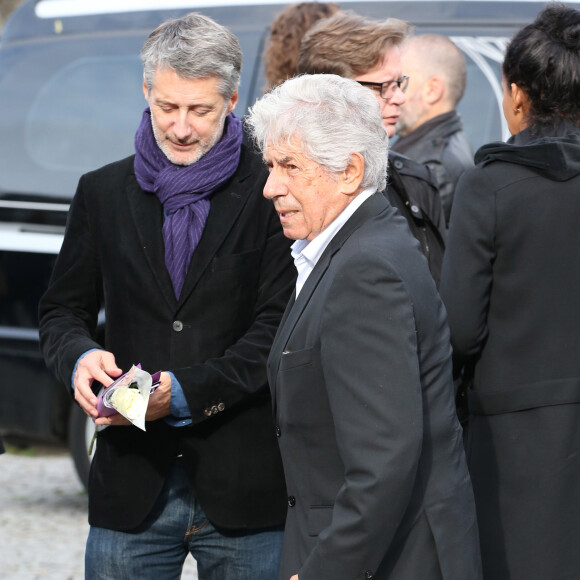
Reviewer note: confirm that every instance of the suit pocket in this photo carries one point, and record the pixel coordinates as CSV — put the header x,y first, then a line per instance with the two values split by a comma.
x,y
319,517
243,261
297,358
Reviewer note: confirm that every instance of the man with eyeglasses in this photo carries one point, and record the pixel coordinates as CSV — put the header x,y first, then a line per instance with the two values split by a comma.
x,y
368,51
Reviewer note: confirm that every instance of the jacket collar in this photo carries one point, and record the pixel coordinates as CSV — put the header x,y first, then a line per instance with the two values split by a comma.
x,y
552,151
440,127
370,208
147,213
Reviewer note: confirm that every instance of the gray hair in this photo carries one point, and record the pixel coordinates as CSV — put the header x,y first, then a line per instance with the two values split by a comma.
x,y
194,46
333,117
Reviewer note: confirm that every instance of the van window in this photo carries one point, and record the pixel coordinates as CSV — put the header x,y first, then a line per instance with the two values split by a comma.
x,y
78,104
71,94
91,122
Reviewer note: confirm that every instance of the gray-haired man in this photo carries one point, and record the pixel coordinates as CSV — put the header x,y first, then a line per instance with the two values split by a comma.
x,y
360,369
190,264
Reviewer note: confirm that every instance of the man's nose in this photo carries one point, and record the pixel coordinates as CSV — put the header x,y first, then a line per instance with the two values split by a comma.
x,y
274,186
182,127
398,98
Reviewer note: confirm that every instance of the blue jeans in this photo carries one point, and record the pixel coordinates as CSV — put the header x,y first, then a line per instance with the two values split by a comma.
x,y
176,526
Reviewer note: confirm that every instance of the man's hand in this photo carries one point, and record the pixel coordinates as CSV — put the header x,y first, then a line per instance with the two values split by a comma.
x,y
158,407
295,577
98,365
160,401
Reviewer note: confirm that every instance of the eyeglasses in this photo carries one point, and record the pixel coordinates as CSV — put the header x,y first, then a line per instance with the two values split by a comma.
x,y
388,88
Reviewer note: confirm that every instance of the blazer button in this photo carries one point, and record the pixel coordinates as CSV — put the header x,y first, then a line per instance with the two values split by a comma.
x,y
221,407
368,575
177,325
291,501
278,431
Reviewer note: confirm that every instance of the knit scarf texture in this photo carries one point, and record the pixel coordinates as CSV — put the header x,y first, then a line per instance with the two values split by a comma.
x,y
183,190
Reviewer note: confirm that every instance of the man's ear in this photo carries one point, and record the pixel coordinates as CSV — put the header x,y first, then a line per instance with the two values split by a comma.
x,y
353,175
232,102
433,90
145,89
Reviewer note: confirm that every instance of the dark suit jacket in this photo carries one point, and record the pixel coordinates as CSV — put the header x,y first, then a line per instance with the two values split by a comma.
x,y
360,372
215,339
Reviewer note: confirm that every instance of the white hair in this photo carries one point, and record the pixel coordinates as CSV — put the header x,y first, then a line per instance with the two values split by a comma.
x,y
332,117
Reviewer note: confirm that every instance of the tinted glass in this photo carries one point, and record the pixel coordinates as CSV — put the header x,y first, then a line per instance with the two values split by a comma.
x,y
20,294
91,121
70,104
74,106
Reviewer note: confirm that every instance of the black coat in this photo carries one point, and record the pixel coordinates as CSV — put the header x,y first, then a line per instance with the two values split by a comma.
x,y
215,340
442,145
360,372
411,190
510,284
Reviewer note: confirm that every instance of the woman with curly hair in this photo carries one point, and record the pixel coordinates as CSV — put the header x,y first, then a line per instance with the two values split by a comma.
x,y
283,46
510,282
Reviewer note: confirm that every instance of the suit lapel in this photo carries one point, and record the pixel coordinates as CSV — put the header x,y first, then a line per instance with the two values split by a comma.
x,y
147,214
226,204
294,310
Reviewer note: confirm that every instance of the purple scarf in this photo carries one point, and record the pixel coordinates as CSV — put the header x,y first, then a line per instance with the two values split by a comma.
x,y
184,190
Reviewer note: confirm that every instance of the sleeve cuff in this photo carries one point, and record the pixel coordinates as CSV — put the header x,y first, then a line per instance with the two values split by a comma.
x,y
72,379
180,414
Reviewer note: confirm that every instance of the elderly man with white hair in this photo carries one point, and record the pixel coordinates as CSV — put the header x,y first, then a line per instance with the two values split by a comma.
x,y
360,369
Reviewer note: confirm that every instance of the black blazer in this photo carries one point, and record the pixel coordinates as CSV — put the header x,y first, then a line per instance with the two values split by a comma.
x,y
360,372
215,338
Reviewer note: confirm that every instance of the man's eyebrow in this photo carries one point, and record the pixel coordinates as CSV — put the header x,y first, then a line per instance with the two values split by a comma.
x,y
166,101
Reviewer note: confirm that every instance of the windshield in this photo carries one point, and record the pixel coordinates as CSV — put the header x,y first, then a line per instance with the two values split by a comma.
x,y
70,103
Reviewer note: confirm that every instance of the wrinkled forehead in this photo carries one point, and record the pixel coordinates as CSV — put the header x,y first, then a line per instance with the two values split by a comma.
x,y
284,145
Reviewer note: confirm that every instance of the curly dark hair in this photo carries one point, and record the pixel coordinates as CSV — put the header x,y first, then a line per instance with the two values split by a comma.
x,y
286,32
543,59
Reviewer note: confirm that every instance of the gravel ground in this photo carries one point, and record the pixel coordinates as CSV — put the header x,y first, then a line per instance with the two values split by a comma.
x,y
43,518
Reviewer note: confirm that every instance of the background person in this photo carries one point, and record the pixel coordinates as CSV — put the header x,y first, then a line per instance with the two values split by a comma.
x,y
430,130
283,45
367,50
360,370
510,285
179,247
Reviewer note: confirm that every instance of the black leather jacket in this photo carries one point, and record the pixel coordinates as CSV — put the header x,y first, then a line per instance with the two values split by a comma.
x,y
442,145
410,188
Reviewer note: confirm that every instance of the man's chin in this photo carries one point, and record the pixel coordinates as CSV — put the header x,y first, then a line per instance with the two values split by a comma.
x,y
391,130
183,158
401,129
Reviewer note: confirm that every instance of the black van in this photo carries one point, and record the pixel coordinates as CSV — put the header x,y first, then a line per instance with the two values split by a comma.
x,y
70,101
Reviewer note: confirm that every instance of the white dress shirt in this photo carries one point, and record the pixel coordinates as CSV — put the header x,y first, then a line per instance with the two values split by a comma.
x,y
306,253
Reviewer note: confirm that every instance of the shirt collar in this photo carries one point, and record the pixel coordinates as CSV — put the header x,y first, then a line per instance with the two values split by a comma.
x,y
312,250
